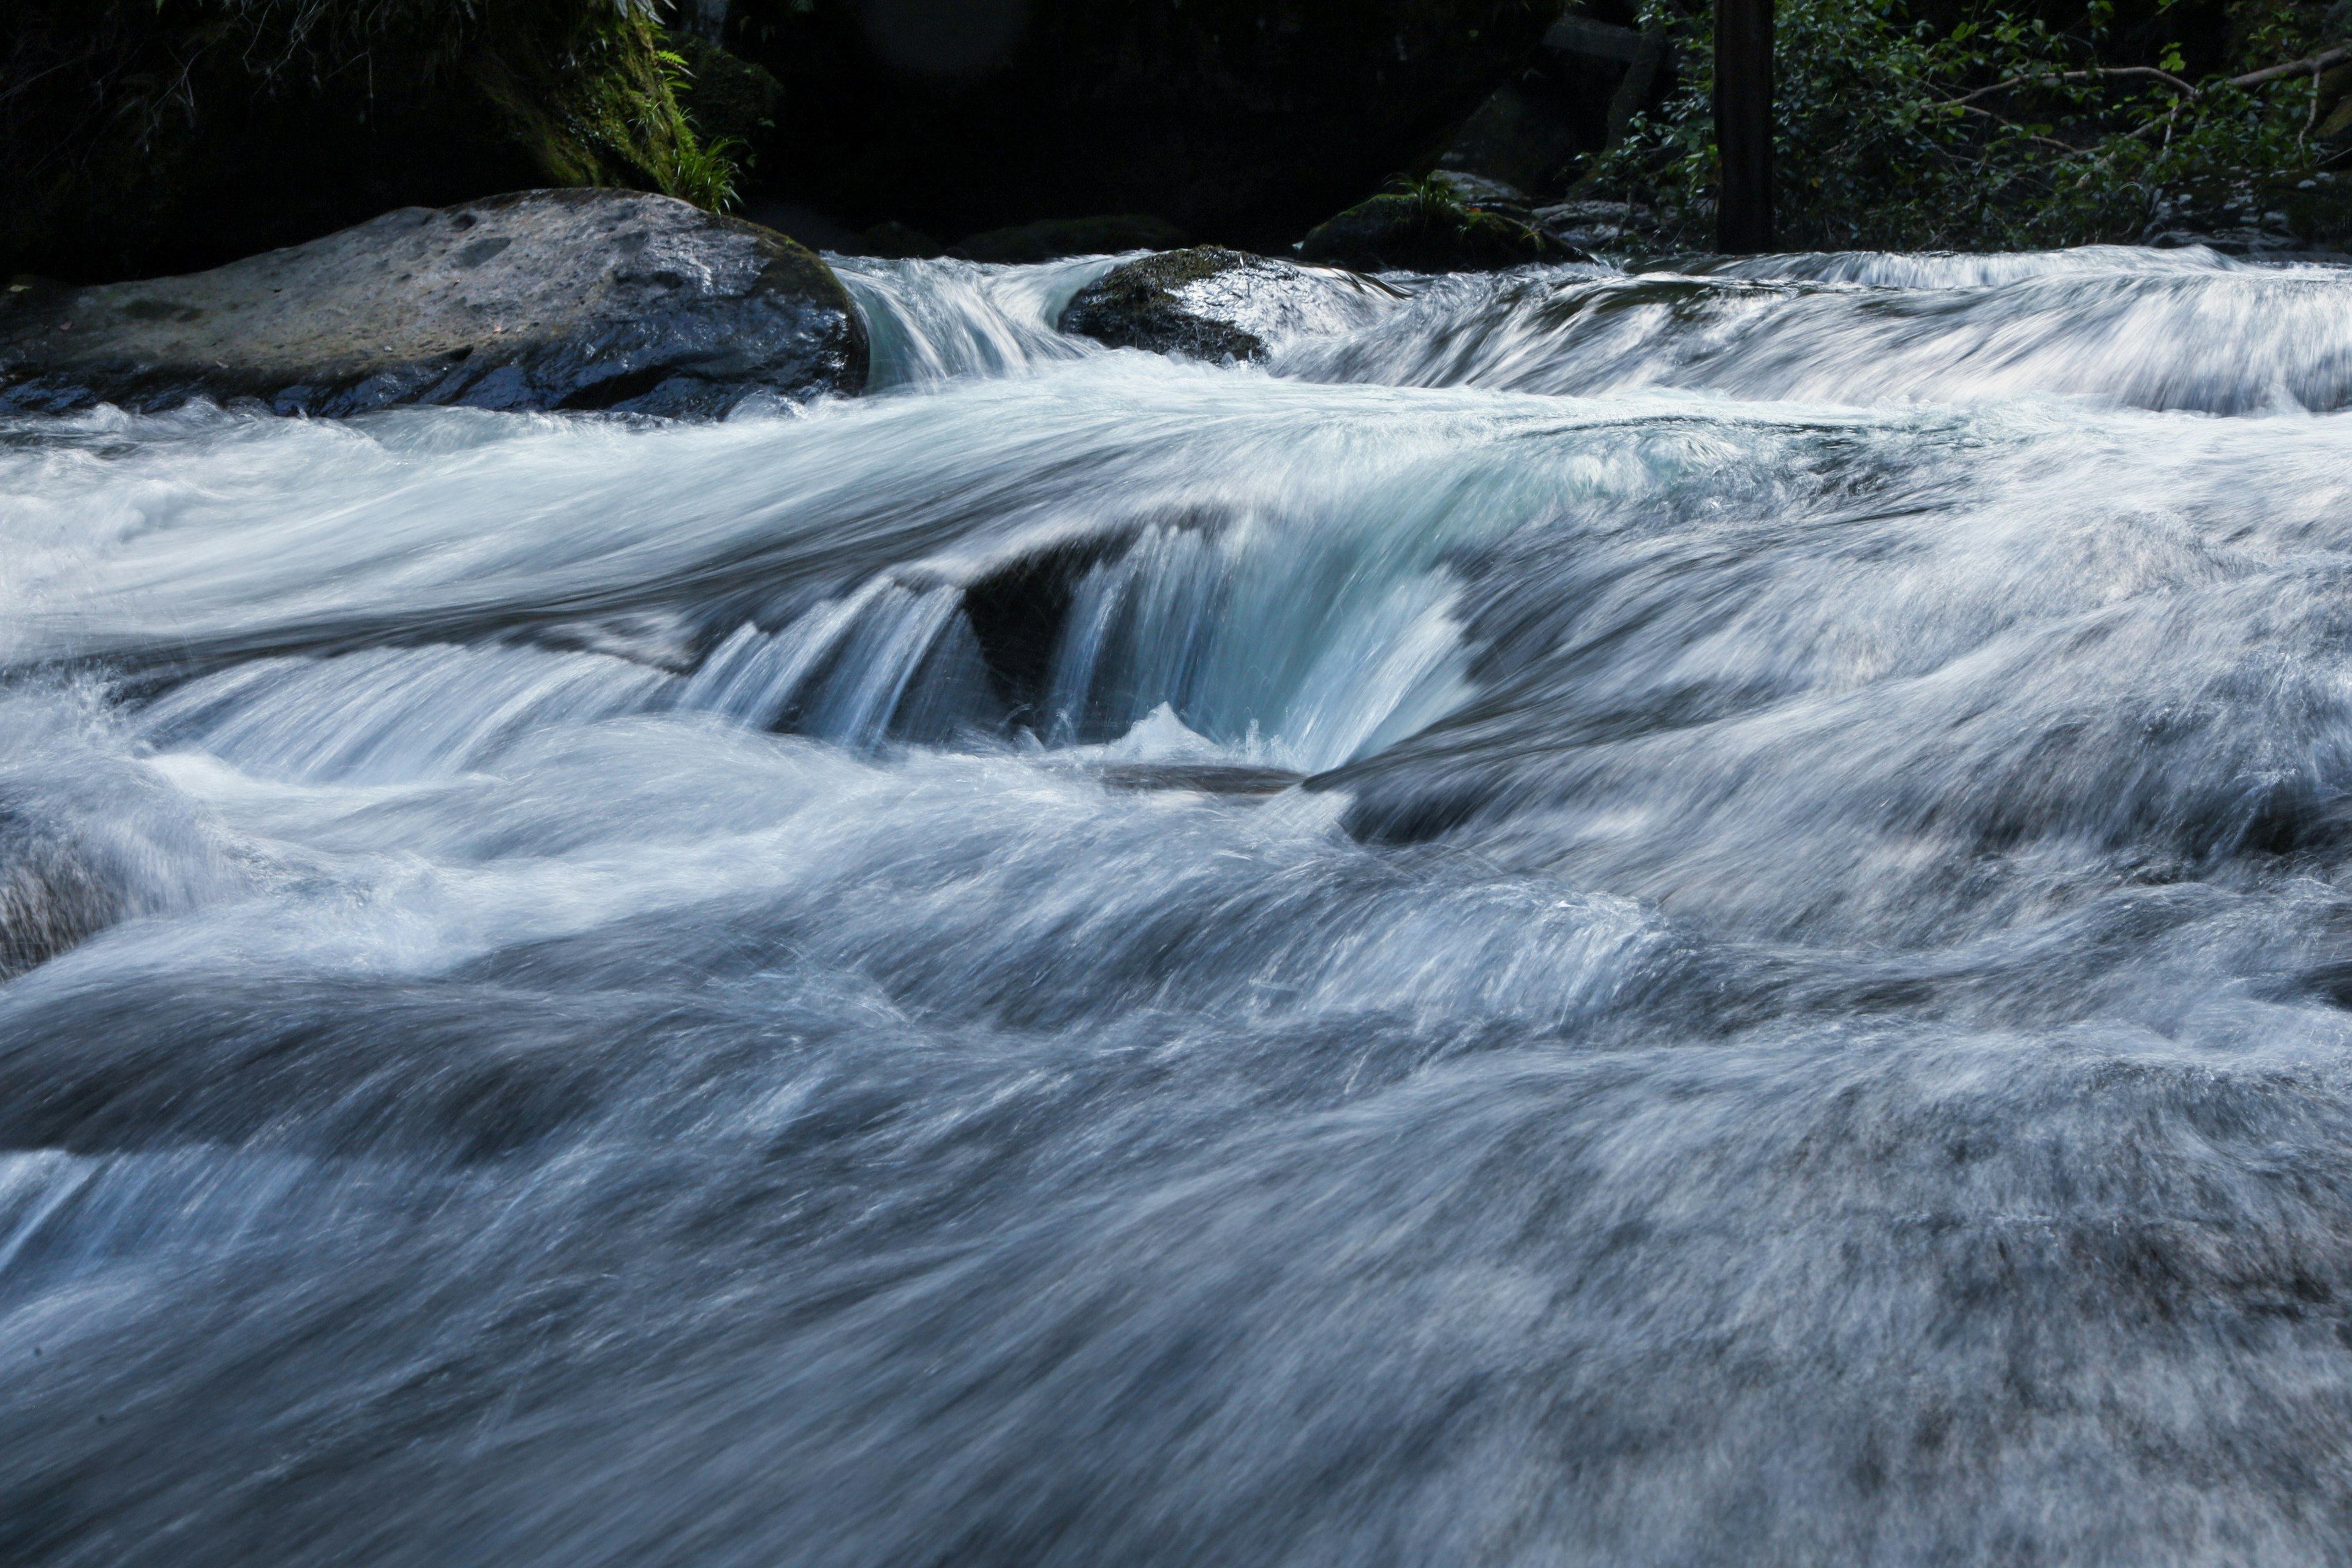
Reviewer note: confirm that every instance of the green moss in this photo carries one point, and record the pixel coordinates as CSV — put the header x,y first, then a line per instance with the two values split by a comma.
x,y
592,94
730,101
145,135
1980,127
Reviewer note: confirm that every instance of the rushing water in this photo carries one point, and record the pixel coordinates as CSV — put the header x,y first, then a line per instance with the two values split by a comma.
x,y
1595,919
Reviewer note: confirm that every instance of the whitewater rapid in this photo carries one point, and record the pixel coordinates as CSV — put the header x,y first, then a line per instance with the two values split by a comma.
x,y
1696,918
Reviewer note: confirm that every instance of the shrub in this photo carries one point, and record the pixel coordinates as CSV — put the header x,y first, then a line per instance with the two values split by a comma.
x,y
1996,131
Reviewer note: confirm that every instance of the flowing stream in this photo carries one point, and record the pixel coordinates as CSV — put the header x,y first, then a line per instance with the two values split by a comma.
x,y
1600,920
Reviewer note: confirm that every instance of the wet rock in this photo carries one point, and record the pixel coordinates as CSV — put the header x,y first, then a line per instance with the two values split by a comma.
x,y
1422,232
1523,136
51,899
1215,304
552,299
1203,778
2307,217
1482,190
1598,225
1054,239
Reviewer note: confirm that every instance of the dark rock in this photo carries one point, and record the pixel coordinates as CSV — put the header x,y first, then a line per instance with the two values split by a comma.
x,y
1215,304
894,241
1206,778
2278,218
1600,225
1420,232
1054,239
1576,99
563,298
1484,191
1518,136
51,899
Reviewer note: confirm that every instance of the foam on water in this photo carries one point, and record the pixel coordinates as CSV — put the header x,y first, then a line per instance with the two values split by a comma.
x,y
1603,920
2189,333
933,320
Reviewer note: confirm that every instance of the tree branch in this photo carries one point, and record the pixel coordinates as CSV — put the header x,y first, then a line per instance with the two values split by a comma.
x,y
2312,65
2013,125
2094,74
2315,64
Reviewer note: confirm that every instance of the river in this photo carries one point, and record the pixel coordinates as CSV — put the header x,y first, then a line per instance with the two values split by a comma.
x,y
1685,918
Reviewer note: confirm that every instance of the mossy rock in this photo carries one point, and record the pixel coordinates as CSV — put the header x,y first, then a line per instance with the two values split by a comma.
x,y
1424,233
550,299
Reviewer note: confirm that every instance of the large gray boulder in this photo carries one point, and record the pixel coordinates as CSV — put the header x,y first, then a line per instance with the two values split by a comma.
x,y
555,299
1209,303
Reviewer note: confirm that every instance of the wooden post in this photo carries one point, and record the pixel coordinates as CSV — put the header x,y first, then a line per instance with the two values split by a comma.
x,y
1743,125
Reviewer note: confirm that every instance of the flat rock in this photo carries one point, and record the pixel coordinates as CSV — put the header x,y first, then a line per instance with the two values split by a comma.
x,y
1215,304
555,299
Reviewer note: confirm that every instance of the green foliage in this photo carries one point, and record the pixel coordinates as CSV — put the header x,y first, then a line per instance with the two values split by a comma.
x,y
1998,131
104,98
588,87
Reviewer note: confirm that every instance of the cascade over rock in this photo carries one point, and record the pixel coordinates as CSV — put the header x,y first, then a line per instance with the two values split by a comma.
x,y
51,897
552,299
1212,303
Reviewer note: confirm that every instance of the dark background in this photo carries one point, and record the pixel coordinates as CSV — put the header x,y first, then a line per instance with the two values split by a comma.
x,y
139,139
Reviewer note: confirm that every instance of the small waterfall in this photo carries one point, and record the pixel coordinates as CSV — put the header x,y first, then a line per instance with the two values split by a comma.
x,y
840,671
1176,619
933,320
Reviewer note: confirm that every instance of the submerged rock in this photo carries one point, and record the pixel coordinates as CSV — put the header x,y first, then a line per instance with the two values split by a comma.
x,y
1417,232
51,899
1054,239
1216,304
552,298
